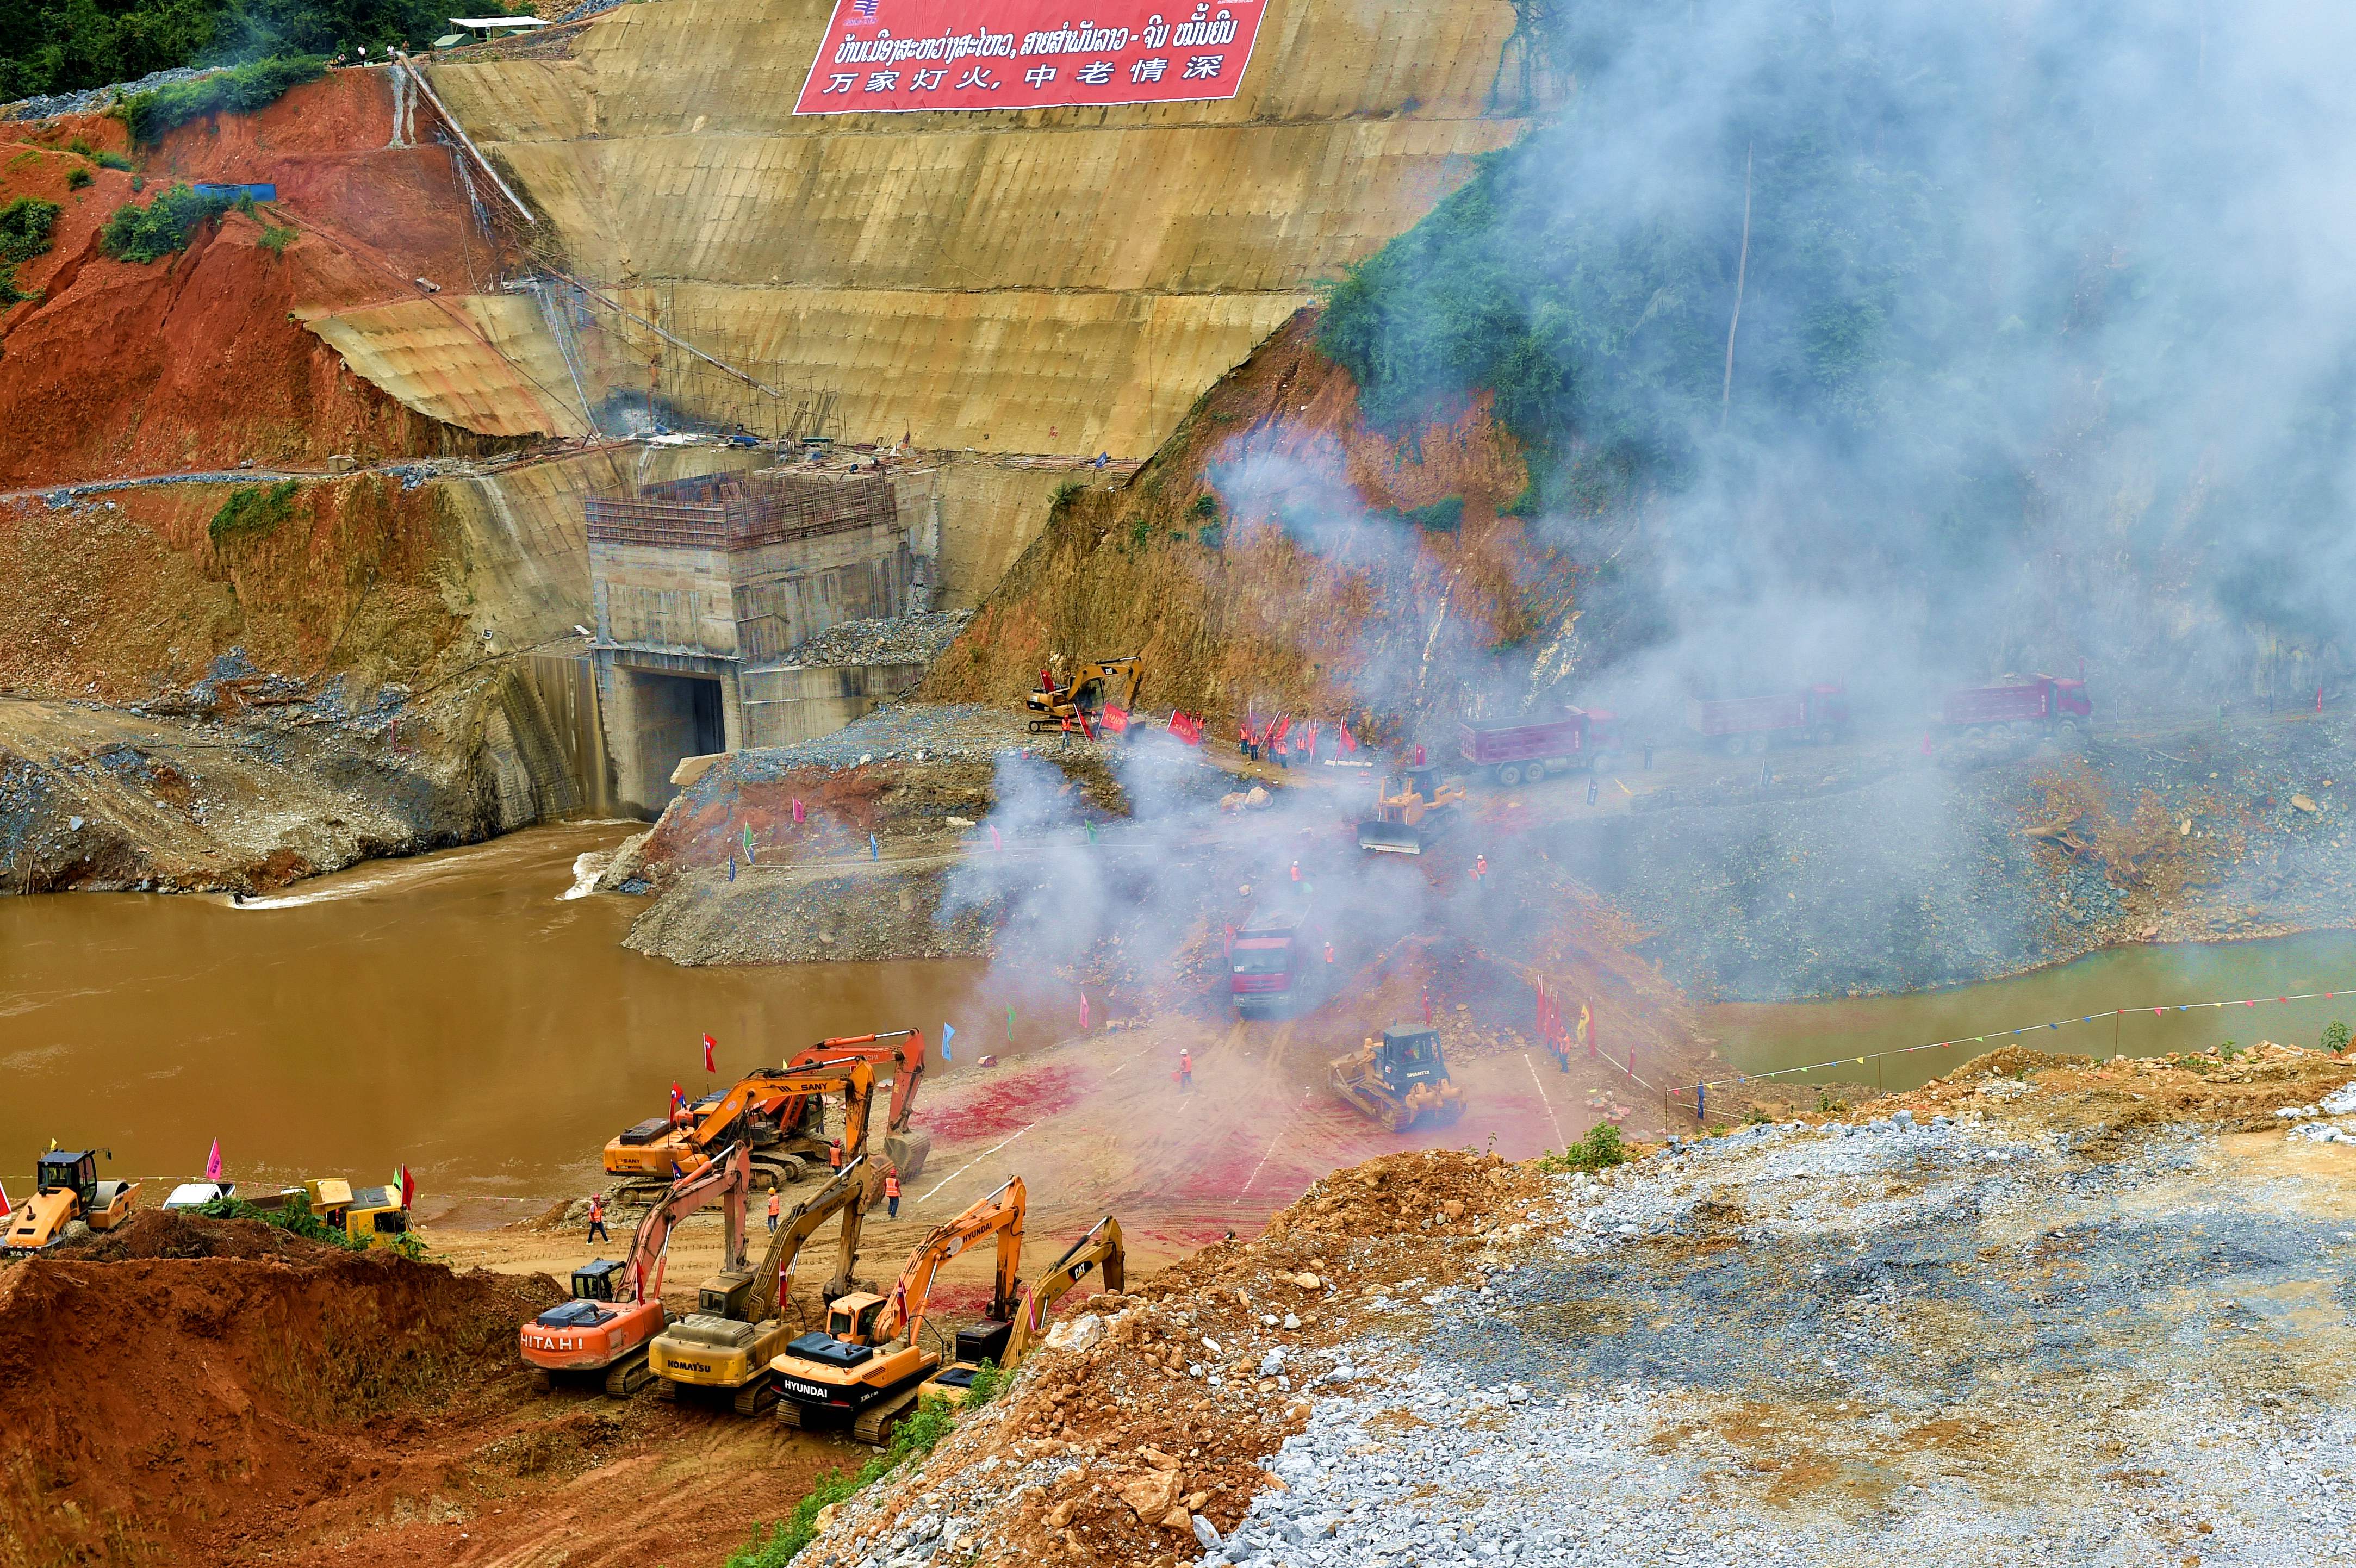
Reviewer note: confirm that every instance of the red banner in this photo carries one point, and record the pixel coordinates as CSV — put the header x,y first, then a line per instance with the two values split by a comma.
x,y
894,57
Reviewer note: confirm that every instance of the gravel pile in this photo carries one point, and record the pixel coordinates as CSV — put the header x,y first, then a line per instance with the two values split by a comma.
x,y
897,639
900,733
92,100
1938,1343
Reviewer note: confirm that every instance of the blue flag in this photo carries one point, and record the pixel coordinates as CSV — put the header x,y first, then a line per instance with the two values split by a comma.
x,y
948,1033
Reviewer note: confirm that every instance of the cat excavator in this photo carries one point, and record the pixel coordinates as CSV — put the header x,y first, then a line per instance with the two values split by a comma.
x,y
1085,695
868,1364
779,1114
739,1327
1007,1343
616,1307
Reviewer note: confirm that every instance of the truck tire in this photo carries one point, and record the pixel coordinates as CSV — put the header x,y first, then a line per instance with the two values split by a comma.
x,y
1826,735
1733,744
1758,743
1509,774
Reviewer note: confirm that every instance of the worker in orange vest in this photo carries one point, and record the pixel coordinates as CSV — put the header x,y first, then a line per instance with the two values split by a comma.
x,y
773,1201
1480,867
892,1193
597,1217
834,1155
1185,1070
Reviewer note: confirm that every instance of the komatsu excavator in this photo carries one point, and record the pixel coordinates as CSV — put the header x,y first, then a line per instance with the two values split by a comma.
x,y
66,1188
1085,695
616,1307
868,1365
739,1327
779,1114
1007,1343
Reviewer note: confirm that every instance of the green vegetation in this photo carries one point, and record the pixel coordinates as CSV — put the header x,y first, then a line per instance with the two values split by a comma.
x,y
988,1379
1444,515
2335,1038
241,90
253,511
143,234
275,238
916,1436
111,161
78,179
1598,1150
24,227
66,46
1206,506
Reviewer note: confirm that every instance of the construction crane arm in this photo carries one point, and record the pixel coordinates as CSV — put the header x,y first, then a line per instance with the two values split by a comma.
x,y
727,1179
902,1047
1100,1248
999,1215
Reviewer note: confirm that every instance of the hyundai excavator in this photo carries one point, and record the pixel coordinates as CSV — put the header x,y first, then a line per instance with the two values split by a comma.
x,y
66,1188
1085,695
616,1307
1007,1343
868,1365
779,1114
739,1327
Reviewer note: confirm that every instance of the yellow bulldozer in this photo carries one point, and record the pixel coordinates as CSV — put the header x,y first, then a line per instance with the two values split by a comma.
x,y
1092,686
1399,1080
66,1188
1412,808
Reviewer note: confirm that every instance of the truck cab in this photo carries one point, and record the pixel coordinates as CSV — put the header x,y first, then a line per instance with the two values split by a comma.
x,y
1272,966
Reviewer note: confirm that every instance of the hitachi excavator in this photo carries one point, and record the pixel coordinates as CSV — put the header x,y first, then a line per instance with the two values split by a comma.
x,y
1008,1343
616,1307
779,1114
1091,687
66,1188
868,1365
1412,808
739,1327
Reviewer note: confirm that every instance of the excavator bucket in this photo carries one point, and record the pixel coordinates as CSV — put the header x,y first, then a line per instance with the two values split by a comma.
x,y
907,1152
1389,837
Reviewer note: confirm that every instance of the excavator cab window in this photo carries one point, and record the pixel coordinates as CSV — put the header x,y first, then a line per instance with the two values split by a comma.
x,y
853,1318
56,1172
597,1281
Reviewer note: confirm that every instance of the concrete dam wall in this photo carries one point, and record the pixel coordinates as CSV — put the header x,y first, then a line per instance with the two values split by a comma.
x,y
1052,281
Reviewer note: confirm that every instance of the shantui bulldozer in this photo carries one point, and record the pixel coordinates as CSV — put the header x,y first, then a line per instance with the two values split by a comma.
x,y
66,1188
726,1345
867,1367
616,1307
779,1114
1412,809
1399,1079
1006,1344
1086,694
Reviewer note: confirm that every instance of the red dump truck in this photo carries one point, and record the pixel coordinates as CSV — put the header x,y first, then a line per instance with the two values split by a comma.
x,y
1738,724
1512,750
1277,961
2043,700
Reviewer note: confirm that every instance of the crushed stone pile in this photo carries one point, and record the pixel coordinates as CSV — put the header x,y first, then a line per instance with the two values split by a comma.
x,y
2077,1320
893,639
90,100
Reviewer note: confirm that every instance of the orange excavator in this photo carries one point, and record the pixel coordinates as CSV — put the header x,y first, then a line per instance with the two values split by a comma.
x,y
1007,1344
779,1114
616,1307
868,1364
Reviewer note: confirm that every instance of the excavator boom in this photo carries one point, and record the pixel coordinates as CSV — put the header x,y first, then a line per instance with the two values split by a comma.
x,y
999,1214
727,1179
1100,1248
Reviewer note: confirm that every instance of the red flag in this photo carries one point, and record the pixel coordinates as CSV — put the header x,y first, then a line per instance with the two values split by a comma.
x,y
1276,733
1114,718
4,1209
709,1044
1347,742
677,1099
408,1188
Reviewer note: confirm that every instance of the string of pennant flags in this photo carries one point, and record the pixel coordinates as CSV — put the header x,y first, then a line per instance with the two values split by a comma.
x,y
1999,1036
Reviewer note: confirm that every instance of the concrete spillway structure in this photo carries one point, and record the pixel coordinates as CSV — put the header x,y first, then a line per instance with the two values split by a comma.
x,y
1057,281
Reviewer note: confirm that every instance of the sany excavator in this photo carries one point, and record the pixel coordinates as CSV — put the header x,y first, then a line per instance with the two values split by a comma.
x,y
616,1307
779,1114
66,1188
869,1365
738,1326
1085,696
1008,1343
1412,808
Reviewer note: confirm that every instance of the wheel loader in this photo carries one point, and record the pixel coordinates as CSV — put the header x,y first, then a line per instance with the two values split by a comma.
x,y
66,1188
738,1329
616,1307
1092,686
1412,809
1399,1079
866,1368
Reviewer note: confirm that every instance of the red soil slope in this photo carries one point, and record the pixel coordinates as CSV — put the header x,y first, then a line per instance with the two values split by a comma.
x,y
197,360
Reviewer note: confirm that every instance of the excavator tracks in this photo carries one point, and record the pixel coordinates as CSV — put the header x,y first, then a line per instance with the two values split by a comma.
x,y
755,1396
874,1424
628,1375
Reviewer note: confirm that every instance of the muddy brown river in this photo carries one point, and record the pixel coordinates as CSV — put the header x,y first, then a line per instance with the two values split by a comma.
x,y
456,1011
